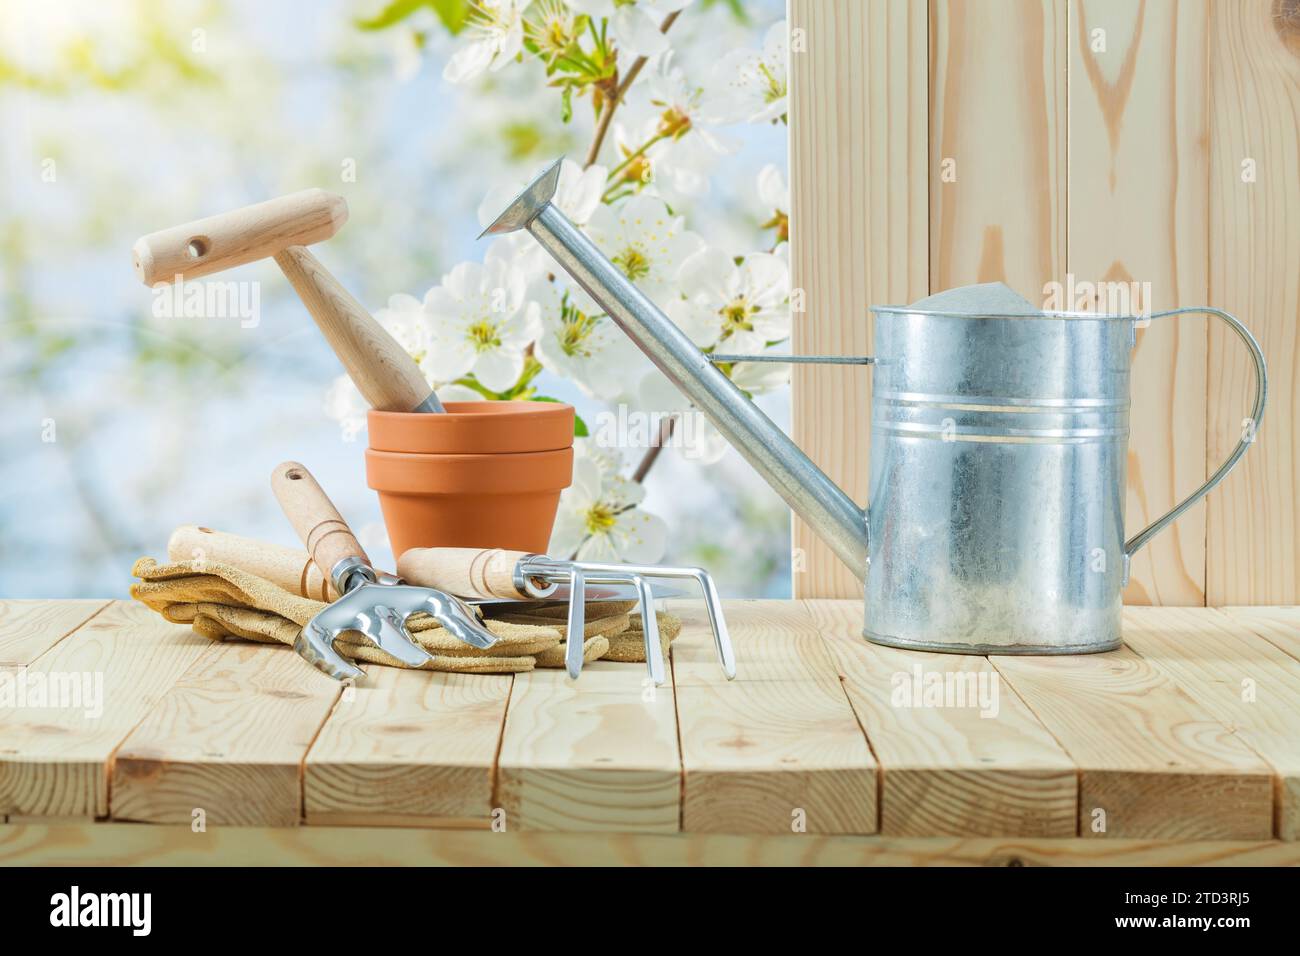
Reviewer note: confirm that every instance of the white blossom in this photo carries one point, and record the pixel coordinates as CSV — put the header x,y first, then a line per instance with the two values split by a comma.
x,y
737,308
598,516
494,30
578,342
753,84
478,324
684,148
646,242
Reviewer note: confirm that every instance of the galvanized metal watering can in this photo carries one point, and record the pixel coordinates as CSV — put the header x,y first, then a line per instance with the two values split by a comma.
x,y
998,458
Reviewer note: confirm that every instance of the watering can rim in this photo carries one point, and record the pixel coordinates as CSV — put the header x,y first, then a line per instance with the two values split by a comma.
x,y
1040,314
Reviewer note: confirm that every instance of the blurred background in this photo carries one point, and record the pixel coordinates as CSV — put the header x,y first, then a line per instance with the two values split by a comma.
x,y
121,117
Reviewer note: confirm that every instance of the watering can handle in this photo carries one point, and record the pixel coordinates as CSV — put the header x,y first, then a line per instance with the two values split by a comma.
x,y
1249,430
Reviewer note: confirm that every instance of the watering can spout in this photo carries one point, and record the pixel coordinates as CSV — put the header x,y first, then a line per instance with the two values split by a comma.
x,y
830,512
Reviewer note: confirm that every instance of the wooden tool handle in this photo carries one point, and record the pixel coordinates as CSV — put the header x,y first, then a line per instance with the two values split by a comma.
x,y
466,572
385,374
230,239
320,526
289,568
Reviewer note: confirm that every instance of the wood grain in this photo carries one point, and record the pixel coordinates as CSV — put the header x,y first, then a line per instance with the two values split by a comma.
x,y
1138,213
54,759
466,572
406,744
859,228
383,372
1151,760
1237,677
195,249
998,116
952,769
1253,517
320,527
1278,625
98,844
779,746
597,754
29,628
228,739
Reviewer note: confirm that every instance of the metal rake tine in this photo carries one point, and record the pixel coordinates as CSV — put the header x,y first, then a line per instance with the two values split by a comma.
x,y
712,602
463,622
721,636
395,639
573,647
654,653
317,648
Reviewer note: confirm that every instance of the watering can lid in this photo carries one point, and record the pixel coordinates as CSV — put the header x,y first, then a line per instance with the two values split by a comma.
x,y
987,298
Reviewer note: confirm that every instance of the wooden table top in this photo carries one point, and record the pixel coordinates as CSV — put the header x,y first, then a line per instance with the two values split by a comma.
x,y
1189,733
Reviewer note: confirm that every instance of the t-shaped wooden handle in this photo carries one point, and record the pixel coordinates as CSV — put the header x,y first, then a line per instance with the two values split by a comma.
x,y
231,239
384,373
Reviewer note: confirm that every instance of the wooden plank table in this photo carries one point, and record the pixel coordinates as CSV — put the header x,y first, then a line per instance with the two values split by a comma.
x,y
1181,747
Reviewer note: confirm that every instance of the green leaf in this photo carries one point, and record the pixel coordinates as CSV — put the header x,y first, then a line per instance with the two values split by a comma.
x,y
395,12
566,104
579,426
452,13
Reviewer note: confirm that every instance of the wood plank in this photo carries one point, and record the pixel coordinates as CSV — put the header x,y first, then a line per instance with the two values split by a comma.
x,y
777,748
408,745
54,760
1237,677
99,844
1152,764
950,767
1139,213
29,628
1278,625
998,121
1254,517
596,754
859,230
228,739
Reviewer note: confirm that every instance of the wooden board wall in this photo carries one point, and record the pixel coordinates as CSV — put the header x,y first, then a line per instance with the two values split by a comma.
x,y
947,142
860,232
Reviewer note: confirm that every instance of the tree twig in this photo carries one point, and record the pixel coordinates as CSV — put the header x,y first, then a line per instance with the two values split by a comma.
x,y
607,114
652,453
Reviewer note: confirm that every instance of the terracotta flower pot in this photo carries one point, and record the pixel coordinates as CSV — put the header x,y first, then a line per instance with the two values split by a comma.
x,y
484,475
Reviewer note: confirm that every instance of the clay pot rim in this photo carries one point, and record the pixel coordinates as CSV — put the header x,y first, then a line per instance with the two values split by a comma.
x,y
475,428
485,407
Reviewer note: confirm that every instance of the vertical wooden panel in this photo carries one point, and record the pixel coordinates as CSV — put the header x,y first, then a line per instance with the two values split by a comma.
x,y
1253,518
1138,212
859,230
998,128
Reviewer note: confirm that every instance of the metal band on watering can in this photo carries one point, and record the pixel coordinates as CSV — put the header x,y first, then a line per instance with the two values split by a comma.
x,y
998,480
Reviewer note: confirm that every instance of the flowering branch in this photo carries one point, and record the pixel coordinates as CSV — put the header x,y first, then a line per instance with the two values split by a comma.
x,y
607,114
